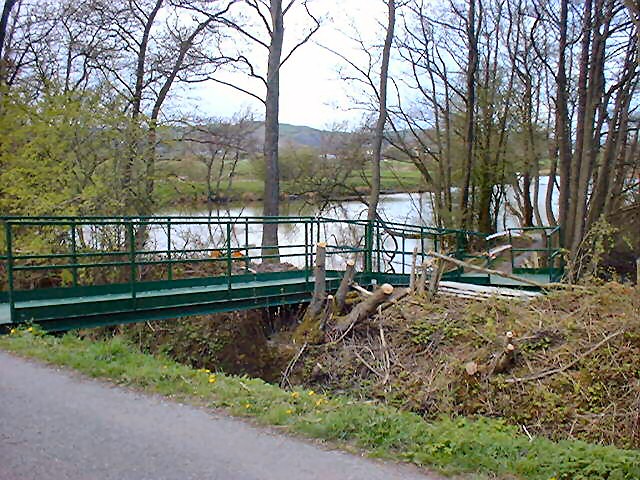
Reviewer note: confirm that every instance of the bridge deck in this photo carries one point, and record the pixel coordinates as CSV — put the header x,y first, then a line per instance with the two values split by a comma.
x,y
67,311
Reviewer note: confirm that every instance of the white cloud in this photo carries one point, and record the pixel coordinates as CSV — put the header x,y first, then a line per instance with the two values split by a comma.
x,y
310,90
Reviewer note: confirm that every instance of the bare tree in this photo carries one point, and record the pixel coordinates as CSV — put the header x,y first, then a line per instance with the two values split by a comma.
x,y
263,26
382,111
220,144
157,50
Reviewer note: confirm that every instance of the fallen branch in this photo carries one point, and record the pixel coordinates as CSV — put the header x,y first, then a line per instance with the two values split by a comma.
x,y
553,371
366,364
484,289
385,355
290,366
470,266
365,308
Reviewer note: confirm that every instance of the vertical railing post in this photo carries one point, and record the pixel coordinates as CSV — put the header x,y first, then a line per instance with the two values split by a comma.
x,y
74,254
9,244
422,245
169,254
247,260
229,255
513,258
379,247
548,238
306,252
368,247
132,257
311,246
403,251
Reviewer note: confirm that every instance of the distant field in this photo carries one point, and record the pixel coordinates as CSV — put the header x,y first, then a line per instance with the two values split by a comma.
x,y
185,181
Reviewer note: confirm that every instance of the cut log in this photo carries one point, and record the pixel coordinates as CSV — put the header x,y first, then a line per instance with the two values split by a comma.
x,y
341,294
504,360
365,308
436,275
320,285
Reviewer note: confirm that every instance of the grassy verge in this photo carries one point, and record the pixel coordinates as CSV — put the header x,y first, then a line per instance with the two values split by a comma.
x,y
449,445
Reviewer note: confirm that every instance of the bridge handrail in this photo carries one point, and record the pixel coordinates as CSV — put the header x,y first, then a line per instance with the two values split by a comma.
x,y
371,245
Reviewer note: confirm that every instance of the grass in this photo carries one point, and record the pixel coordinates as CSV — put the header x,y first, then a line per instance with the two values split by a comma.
x,y
485,446
184,181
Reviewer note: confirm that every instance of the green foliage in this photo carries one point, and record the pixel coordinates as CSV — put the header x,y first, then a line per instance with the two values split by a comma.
x,y
60,153
451,445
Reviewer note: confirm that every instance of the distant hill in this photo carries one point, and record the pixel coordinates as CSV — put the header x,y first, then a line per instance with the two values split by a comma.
x,y
298,135
291,136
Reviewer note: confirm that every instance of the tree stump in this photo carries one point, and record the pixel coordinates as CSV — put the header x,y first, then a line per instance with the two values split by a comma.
x,y
341,294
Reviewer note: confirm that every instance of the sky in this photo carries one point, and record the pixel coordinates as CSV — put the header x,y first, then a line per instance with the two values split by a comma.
x,y
311,91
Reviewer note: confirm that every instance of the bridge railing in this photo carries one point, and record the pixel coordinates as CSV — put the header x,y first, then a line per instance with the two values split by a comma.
x,y
45,252
52,252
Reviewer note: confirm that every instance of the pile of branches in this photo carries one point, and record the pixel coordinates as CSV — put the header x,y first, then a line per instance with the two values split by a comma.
x,y
562,365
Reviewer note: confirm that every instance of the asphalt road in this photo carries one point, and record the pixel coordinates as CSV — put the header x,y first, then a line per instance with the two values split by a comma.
x,y
57,425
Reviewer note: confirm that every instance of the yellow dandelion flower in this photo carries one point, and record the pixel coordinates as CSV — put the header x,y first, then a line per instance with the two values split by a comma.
x,y
311,393
13,331
295,395
213,378
30,329
289,411
247,405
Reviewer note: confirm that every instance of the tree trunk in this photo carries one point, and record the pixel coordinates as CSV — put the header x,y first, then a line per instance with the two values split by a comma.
x,y
136,107
581,115
272,133
469,138
341,294
563,126
382,113
4,22
591,127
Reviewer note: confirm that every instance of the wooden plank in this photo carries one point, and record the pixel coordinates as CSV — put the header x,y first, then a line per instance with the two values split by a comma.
x,y
488,289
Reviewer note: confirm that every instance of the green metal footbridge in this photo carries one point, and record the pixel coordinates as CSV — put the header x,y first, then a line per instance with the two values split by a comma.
x,y
78,272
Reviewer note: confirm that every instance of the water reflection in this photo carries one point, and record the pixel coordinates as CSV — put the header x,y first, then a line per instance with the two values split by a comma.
x,y
297,236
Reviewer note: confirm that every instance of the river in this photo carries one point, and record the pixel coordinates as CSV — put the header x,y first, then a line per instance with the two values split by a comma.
x,y
410,208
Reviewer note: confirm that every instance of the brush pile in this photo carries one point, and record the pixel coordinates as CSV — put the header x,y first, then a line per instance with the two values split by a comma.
x,y
562,365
